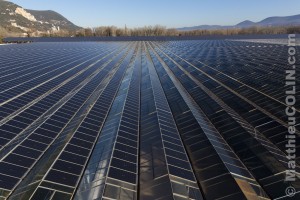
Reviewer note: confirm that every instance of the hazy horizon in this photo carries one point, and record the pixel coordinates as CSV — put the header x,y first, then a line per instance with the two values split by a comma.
x,y
172,14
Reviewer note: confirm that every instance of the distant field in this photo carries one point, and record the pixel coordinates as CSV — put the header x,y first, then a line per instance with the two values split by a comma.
x,y
87,120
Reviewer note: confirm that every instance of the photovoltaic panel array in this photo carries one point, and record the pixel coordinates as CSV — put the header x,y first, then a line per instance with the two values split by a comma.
x,y
171,119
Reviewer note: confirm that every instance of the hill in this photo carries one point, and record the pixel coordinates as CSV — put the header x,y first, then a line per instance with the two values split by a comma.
x,y
268,22
15,19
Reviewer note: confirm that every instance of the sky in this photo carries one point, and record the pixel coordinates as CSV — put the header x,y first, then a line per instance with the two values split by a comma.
x,y
169,13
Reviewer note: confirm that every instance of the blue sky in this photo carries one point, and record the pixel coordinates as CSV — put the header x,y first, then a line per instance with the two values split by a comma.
x,y
170,13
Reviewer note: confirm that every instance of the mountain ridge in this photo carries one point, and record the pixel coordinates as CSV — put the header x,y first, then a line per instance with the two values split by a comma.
x,y
16,19
292,20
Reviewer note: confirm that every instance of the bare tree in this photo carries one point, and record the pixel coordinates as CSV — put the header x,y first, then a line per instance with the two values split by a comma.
x,y
100,31
62,33
147,31
88,32
172,32
80,33
120,32
158,30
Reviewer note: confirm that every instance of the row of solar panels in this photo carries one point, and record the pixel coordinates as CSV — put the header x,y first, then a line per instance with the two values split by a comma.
x,y
53,112
141,38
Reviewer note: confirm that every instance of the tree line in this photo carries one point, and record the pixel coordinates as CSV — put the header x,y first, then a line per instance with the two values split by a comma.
x,y
109,31
157,30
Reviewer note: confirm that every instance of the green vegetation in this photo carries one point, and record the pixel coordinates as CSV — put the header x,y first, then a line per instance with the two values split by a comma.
x,y
47,22
3,33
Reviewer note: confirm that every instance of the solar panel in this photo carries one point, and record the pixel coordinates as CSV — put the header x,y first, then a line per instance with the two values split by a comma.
x,y
183,116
